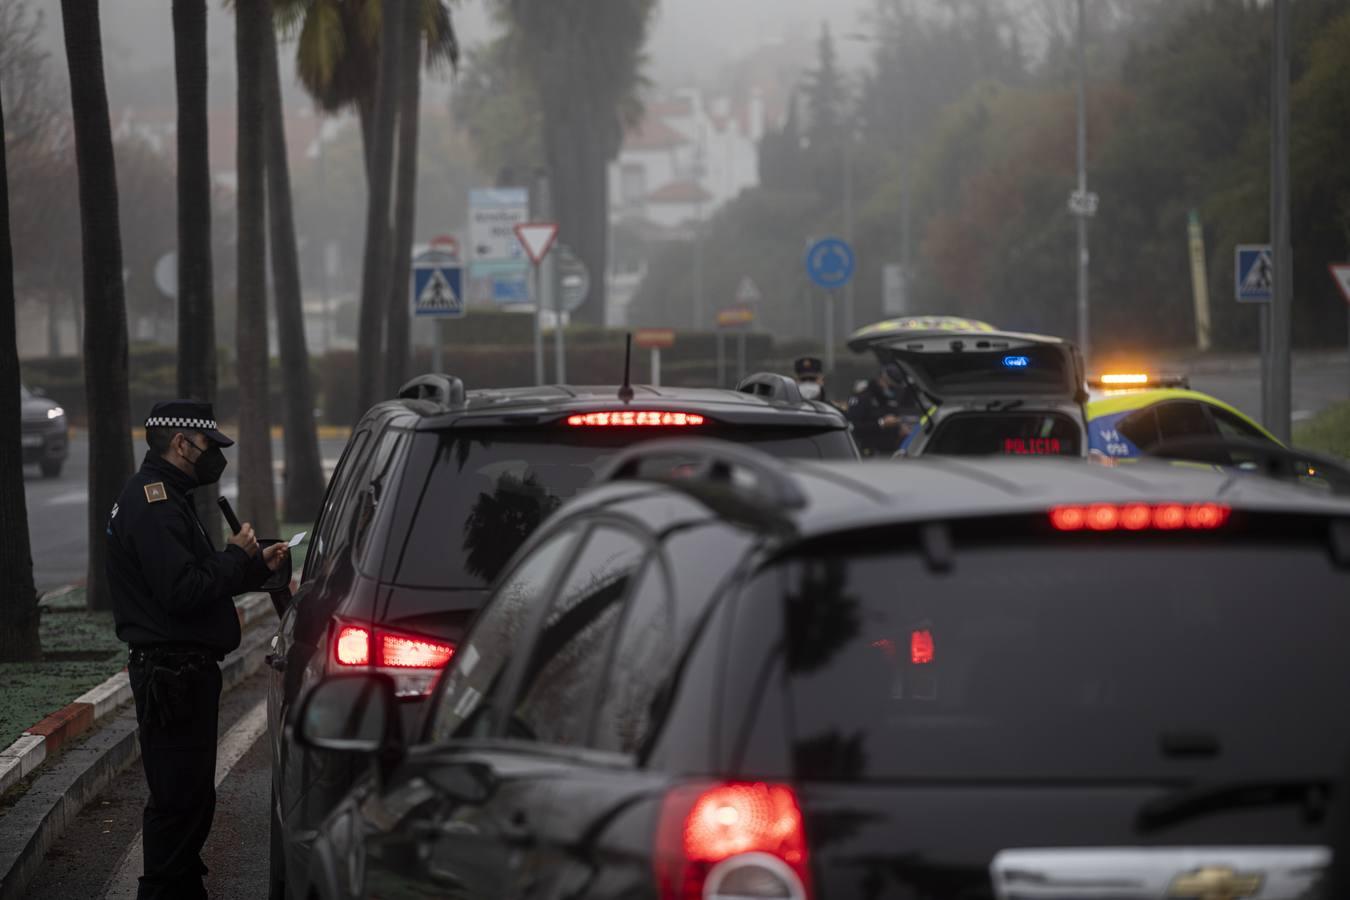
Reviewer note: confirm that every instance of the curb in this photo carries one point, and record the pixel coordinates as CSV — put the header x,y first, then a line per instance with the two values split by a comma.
x,y
47,736
55,798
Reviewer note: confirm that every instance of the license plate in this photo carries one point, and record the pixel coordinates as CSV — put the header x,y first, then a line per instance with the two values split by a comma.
x,y
31,440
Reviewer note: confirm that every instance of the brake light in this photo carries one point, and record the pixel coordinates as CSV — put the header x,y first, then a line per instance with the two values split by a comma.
x,y
403,652
921,647
352,646
716,842
1140,517
626,418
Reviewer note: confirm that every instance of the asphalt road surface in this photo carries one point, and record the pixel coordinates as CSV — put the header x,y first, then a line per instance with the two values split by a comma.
x,y
99,856
57,508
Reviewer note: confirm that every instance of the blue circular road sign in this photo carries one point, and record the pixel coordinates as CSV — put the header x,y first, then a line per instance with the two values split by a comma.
x,y
830,263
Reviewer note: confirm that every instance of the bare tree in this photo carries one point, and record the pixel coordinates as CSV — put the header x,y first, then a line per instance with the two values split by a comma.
x,y
105,313
18,601
257,502
304,470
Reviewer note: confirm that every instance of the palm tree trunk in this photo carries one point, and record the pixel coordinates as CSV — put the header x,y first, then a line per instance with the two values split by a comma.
x,y
18,598
405,206
304,472
365,114
375,264
257,503
196,303
105,312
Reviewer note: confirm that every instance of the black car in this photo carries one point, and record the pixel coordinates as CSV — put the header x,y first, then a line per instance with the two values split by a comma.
x,y
45,434
723,676
434,493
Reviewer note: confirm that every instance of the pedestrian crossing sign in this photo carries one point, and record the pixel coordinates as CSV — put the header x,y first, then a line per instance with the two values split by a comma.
x,y
1255,273
437,286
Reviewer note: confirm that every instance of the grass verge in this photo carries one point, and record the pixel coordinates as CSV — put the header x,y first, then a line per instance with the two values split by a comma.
x,y
1326,432
79,650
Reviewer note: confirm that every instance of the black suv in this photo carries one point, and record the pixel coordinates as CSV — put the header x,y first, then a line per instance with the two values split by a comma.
x,y
45,432
720,675
434,493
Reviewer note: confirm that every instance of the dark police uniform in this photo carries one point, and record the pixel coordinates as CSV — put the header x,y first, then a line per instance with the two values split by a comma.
x,y
171,594
868,407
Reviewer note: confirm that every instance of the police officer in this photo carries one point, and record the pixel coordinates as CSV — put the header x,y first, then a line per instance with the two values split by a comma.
x,y
810,373
877,411
171,593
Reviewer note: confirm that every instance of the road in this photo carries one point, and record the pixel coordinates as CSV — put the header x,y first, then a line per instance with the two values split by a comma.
x,y
99,854
57,508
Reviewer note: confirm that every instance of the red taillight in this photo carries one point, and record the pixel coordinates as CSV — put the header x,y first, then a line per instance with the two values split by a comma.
x,y
359,645
714,836
1140,517
404,652
352,646
921,647
624,418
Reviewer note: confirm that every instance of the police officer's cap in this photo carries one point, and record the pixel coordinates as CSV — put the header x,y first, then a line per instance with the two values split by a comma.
x,y
189,415
808,365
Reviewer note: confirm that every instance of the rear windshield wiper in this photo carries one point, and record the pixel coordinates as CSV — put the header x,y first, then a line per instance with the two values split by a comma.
x,y
1003,405
1206,799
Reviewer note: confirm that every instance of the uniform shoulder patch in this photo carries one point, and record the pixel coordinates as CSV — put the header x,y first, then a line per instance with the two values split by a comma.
x,y
154,493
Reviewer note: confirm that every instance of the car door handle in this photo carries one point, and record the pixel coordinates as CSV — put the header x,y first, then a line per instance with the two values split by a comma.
x,y
276,661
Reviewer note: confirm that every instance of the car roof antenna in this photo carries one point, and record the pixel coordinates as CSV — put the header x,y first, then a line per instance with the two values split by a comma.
x,y
626,389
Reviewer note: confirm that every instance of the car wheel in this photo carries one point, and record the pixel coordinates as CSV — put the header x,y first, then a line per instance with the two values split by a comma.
x,y
51,468
276,858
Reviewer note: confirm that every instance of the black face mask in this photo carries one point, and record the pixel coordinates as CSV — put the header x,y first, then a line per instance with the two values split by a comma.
x,y
209,465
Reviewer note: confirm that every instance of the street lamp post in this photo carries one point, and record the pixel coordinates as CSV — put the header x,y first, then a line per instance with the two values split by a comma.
x,y
1282,294
1084,345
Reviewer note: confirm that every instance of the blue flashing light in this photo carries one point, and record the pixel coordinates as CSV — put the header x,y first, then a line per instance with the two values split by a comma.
x,y
1016,362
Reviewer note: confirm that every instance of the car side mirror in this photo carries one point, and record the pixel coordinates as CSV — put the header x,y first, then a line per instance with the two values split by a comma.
x,y
355,713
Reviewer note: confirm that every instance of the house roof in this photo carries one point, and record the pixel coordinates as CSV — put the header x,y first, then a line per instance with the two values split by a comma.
x,y
683,191
653,134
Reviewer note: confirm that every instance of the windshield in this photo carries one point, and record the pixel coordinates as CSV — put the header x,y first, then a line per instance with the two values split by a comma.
x,y
471,498
1007,434
1031,660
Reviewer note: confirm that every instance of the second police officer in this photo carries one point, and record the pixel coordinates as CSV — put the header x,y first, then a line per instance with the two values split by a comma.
x,y
172,604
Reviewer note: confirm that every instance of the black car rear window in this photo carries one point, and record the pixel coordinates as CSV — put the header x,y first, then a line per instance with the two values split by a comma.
x,y
1051,661
1018,433
470,498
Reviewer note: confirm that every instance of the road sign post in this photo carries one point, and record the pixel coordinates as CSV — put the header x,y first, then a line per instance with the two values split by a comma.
x,y
1199,281
1341,273
537,238
1253,282
721,359
1279,415
437,289
830,263
654,339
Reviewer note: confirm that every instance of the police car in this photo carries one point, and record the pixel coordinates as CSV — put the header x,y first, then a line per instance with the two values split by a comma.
x,y
985,392
1132,414
699,680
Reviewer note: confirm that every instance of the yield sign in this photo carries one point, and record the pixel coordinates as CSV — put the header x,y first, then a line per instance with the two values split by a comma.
x,y
537,238
1341,272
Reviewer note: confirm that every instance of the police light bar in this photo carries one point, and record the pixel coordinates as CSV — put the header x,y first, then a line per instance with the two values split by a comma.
x,y
632,418
1127,380
1119,378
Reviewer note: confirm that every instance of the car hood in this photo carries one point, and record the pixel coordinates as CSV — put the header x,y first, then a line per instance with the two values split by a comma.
x,y
34,409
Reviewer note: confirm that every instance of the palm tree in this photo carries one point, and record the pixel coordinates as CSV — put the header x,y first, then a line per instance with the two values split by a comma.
x,y
18,602
105,312
338,50
257,503
405,203
376,260
584,58
304,472
196,304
